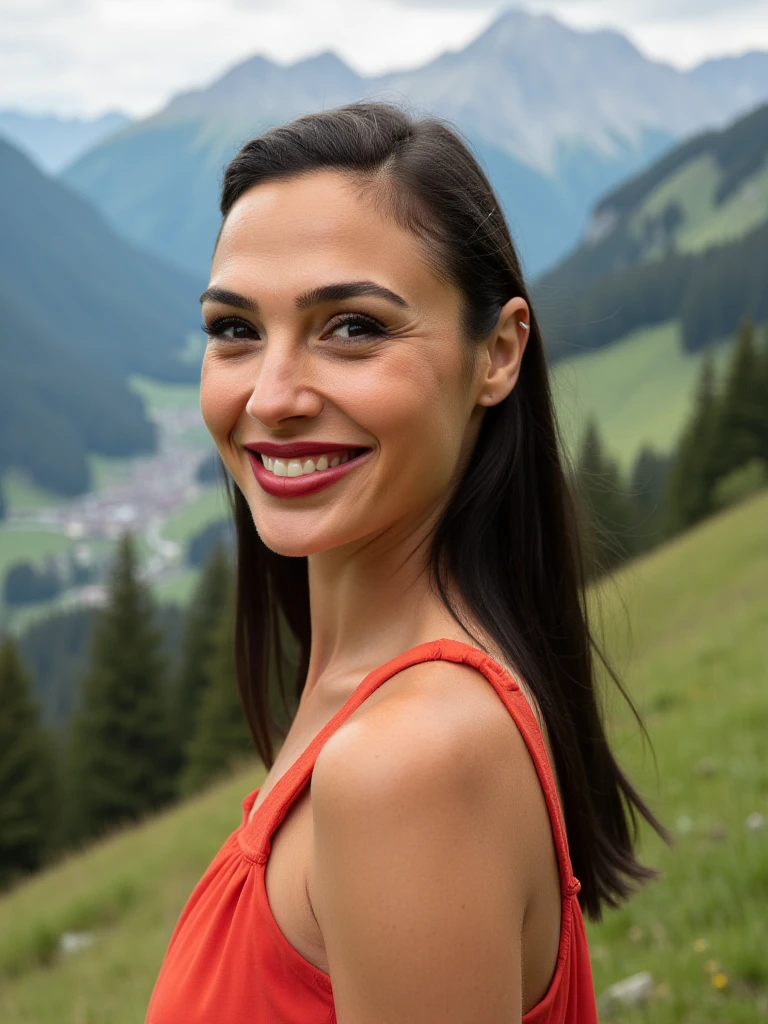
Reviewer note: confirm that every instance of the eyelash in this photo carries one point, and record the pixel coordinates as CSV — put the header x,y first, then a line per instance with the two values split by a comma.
x,y
217,327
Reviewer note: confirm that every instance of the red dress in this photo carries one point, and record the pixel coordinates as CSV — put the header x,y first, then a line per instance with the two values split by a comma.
x,y
228,962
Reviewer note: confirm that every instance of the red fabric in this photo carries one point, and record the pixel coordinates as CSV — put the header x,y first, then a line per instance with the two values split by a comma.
x,y
229,963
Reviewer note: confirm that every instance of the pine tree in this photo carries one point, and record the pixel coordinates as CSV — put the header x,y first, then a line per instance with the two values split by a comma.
x,y
743,409
121,747
648,484
203,617
27,806
762,376
608,510
221,736
694,470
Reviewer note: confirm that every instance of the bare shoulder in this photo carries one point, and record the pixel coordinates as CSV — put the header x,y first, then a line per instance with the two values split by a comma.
x,y
437,727
421,866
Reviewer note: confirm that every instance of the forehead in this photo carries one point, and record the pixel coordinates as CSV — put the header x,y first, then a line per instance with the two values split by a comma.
x,y
317,225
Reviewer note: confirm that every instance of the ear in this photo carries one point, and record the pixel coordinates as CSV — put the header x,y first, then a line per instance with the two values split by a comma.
x,y
504,352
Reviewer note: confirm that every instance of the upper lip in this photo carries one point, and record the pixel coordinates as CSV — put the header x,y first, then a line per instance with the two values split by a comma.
x,y
296,449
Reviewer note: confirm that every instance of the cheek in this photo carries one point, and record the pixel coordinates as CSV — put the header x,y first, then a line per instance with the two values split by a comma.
x,y
418,413
221,401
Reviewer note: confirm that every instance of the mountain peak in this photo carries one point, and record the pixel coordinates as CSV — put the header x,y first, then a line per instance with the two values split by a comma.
x,y
516,27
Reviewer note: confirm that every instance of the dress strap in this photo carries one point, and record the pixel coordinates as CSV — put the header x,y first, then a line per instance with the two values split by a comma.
x,y
256,834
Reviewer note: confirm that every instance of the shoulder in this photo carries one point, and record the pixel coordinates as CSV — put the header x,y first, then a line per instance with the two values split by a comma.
x,y
421,867
435,740
434,727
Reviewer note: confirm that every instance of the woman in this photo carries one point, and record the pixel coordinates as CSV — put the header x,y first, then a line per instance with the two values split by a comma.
x,y
376,386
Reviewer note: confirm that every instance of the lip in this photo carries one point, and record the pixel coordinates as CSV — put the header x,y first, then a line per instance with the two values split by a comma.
x,y
295,449
300,486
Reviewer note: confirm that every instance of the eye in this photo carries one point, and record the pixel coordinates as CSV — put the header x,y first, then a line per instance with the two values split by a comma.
x,y
230,328
356,327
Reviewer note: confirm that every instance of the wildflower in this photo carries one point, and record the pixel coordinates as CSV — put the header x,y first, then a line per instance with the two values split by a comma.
x,y
700,945
719,980
711,967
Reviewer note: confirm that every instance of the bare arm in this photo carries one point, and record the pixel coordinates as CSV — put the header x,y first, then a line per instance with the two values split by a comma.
x,y
418,878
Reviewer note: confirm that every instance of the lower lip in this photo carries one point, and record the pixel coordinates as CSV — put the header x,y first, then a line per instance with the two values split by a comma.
x,y
299,486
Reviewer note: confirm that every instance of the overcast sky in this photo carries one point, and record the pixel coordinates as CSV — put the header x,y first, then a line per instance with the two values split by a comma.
x,y
88,56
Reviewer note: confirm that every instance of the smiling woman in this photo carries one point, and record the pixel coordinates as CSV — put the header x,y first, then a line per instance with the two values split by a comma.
x,y
444,803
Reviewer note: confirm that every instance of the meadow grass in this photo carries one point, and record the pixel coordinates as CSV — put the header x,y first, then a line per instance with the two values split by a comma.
x,y
18,544
639,391
161,397
20,492
687,627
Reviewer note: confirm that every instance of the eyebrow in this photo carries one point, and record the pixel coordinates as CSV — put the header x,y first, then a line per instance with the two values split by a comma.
x,y
314,297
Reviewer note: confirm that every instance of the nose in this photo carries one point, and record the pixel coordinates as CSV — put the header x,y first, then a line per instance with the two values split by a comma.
x,y
283,388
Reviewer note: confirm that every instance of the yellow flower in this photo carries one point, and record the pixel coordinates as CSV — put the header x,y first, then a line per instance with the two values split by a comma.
x,y
719,980
711,966
700,945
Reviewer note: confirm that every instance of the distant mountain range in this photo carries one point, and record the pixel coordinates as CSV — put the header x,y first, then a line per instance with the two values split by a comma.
x,y
81,309
687,239
55,142
557,116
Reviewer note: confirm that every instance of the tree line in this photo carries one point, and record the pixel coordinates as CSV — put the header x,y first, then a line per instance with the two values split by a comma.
x,y
145,732
721,457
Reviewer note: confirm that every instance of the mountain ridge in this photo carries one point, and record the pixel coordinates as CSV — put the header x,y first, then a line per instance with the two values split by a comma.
x,y
82,310
562,113
684,239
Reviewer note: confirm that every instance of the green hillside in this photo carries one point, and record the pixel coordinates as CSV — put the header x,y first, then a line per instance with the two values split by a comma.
x,y
686,240
639,391
81,310
695,666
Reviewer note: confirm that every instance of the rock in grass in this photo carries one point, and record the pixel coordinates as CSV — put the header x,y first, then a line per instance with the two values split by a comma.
x,y
631,991
73,942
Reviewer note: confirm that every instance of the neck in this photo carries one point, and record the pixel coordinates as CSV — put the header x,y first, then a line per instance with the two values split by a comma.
x,y
372,600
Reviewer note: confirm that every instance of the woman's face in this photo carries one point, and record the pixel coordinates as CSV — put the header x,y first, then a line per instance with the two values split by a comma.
x,y
327,326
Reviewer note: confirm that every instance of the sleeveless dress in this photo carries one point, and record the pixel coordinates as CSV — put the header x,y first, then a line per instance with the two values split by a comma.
x,y
228,962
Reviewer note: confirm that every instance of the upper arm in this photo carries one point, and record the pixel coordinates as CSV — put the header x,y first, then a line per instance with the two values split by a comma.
x,y
418,875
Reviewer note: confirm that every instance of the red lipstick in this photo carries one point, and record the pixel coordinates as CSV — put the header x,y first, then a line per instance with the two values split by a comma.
x,y
310,483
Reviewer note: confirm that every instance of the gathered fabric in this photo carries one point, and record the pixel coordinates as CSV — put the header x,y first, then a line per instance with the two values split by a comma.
x,y
228,962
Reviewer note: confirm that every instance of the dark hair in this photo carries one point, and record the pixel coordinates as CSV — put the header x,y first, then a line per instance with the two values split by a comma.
x,y
508,542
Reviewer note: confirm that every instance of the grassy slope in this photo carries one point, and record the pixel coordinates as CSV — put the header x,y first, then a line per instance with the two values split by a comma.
x,y
694,188
696,669
18,545
639,390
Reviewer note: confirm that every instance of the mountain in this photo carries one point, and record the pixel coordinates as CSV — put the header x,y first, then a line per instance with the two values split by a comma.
x,y
557,116
54,142
81,310
745,77
687,239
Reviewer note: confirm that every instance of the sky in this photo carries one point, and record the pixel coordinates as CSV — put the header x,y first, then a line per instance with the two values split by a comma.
x,y
85,57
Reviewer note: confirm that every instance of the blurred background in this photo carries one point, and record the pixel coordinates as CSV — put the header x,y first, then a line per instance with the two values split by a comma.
x,y
628,143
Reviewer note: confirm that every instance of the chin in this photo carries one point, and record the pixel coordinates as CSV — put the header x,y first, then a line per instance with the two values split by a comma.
x,y
296,539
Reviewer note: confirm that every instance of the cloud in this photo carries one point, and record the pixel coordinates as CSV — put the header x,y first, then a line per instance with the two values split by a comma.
x,y
87,56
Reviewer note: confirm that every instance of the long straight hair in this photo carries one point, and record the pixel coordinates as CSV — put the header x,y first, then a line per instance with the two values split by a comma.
x,y
508,542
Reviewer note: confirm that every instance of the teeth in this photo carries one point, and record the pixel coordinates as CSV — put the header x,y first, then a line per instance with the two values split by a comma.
x,y
302,467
